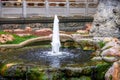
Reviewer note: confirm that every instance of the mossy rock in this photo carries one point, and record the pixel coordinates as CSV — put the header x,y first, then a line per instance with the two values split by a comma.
x,y
36,74
22,71
5,67
78,78
88,45
83,78
70,44
100,70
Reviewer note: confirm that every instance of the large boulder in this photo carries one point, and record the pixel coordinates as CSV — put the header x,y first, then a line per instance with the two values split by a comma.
x,y
111,49
114,72
5,38
28,29
107,19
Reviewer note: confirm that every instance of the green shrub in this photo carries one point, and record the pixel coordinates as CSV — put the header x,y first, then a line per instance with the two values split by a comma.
x,y
101,44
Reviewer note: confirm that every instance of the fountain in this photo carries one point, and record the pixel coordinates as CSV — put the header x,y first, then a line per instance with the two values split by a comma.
x,y
55,37
73,63
55,57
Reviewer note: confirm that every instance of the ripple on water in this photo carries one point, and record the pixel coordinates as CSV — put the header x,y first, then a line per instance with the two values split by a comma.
x,y
65,57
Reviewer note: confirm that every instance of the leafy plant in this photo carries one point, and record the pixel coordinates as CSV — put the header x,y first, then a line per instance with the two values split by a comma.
x,y
101,44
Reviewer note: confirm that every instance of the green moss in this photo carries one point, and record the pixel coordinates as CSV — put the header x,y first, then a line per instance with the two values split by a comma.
x,y
87,70
21,71
101,44
81,78
2,32
17,39
1,68
58,76
101,69
5,67
85,78
36,74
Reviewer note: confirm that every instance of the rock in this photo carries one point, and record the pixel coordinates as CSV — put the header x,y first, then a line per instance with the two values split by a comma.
x,y
76,37
8,30
114,51
5,67
114,72
65,37
21,35
20,71
110,59
106,59
96,59
88,26
5,38
43,32
9,37
110,44
107,39
107,19
2,40
111,49
110,52
18,31
82,31
28,29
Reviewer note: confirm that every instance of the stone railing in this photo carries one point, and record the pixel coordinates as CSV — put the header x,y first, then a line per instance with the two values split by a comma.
x,y
14,8
51,4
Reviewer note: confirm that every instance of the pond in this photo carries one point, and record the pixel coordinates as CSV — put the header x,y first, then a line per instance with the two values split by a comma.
x,y
42,57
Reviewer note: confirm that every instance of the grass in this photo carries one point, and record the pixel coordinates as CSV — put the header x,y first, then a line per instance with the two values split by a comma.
x,y
2,32
18,39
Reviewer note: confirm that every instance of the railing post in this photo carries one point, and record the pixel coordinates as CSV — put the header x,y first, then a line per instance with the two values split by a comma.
x,y
24,8
86,8
67,8
1,9
47,8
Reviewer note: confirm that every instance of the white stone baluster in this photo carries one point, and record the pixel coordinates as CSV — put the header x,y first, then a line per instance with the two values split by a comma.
x,y
86,8
24,8
67,8
47,8
0,8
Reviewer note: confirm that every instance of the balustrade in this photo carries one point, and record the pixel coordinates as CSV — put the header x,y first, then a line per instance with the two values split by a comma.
x,y
68,7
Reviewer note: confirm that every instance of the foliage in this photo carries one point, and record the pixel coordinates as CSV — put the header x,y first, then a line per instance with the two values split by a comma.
x,y
19,39
20,71
101,69
2,32
36,74
83,78
101,44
